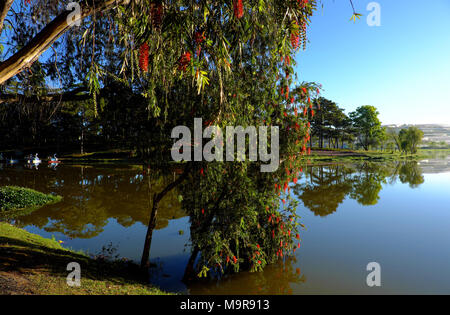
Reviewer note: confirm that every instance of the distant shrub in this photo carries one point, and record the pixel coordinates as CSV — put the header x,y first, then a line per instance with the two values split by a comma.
x,y
16,198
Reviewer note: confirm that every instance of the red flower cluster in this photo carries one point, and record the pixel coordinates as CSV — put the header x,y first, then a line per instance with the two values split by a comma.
x,y
199,37
238,8
302,3
183,61
295,41
143,57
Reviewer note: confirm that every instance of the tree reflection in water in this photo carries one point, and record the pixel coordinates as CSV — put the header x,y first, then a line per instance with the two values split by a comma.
x,y
327,186
94,195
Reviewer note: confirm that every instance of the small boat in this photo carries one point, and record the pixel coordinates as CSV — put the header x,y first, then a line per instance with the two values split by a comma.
x,y
34,160
53,160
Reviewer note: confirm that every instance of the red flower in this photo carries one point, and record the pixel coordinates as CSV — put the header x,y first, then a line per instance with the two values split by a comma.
x,y
143,57
295,40
238,8
234,259
183,61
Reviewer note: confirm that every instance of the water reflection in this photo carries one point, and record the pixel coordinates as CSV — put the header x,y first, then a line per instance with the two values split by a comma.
x,y
92,196
327,186
95,194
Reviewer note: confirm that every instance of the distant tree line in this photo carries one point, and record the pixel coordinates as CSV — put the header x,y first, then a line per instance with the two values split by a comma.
x,y
331,127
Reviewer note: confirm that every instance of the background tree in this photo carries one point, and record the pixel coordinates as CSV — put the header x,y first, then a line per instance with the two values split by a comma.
x,y
365,120
410,139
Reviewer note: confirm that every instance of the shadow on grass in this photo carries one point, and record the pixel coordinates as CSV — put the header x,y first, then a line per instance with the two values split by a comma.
x,y
24,257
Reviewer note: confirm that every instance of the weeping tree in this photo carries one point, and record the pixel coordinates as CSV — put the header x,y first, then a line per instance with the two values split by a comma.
x,y
228,62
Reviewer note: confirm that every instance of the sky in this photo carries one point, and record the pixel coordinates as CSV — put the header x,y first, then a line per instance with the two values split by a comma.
x,y
401,67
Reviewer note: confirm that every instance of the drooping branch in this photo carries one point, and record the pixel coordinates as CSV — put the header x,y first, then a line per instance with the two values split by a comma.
x,y
5,5
73,95
25,57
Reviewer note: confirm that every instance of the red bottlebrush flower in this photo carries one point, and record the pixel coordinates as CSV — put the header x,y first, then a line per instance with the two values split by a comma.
x,y
295,41
295,180
238,8
312,113
183,61
285,186
309,151
284,201
259,262
202,172
298,245
199,37
295,112
297,236
228,259
257,245
285,114
234,259
304,90
305,111
203,211
143,57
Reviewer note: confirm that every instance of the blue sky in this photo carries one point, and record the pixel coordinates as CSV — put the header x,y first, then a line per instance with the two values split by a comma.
x,y
401,67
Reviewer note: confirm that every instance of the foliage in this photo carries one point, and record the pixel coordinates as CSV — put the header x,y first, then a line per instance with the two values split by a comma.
x,y
15,198
365,120
410,139
331,122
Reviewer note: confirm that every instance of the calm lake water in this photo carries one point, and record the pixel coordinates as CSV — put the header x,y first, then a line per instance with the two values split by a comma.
x,y
396,214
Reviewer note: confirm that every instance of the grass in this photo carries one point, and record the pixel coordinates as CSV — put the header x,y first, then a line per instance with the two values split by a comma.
x,y
19,201
31,264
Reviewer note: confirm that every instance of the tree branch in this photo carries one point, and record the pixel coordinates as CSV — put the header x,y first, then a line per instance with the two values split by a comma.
x,y
25,57
64,97
5,5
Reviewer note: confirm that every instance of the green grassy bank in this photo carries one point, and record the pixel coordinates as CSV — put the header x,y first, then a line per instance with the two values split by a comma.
x,y
19,201
31,264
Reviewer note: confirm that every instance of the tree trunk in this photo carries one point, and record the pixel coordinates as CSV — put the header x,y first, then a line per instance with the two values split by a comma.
x,y
189,271
154,213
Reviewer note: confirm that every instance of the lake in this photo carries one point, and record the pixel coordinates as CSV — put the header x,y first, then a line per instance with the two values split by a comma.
x,y
396,214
